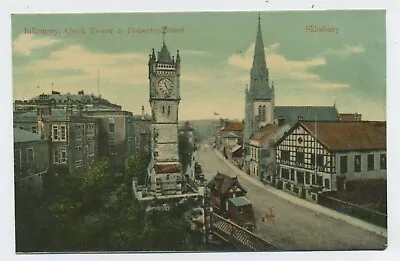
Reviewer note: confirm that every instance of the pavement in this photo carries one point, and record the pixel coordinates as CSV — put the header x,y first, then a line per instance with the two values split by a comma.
x,y
297,224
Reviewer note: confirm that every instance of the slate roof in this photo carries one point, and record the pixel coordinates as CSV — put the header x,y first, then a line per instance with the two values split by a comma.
x,y
55,114
222,183
240,201
350,117
349,136
291,114
25,136
233,126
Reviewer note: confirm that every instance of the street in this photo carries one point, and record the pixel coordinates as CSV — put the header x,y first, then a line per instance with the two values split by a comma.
x,y
292,227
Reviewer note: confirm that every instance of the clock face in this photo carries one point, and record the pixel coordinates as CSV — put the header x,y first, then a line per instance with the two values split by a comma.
x,y
165,85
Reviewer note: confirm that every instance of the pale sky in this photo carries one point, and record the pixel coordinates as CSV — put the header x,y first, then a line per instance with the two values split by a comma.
x,y
347,68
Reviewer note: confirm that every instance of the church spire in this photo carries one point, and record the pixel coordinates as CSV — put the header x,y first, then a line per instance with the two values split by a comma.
x,y
164,55
259,85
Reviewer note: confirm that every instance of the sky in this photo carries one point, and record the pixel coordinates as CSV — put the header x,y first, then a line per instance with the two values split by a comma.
x,y
346,67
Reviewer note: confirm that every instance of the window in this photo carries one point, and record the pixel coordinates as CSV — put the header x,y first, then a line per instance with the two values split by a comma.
x,y
63,132
261,113
30,160
300,177
78,132
111,126
320,160
34,129
56,156
383,161
313,160
319,180
314,182
54,133
163,109
78,154
357,163
308,177
327,184
169,110
285,173
292,174
299,157
343,164
371,162
285,155
63,155
239,210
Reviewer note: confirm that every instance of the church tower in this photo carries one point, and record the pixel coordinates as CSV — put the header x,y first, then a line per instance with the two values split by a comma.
x,y
259,96
164,172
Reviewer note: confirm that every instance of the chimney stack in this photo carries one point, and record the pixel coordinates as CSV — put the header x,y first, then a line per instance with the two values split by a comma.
x,y
281,121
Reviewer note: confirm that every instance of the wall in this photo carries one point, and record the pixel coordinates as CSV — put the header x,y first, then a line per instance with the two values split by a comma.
x,y
377,173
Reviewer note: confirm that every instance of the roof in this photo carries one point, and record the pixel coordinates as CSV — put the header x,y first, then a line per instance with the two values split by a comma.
x,y
346,136
145,117
292,114
167,168
24,136
240,201
233,126
349,116
230,135
266,132
235,148
222,183
55,113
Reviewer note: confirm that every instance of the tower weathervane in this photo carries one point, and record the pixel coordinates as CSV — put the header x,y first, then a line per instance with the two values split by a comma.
x,y
164,32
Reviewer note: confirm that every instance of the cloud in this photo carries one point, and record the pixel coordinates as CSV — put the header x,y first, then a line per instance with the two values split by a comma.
x,y
25,43
195,53
295,72
344,51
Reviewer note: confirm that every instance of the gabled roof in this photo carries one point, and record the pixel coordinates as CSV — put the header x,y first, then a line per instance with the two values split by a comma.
x,y
223,183
266,132
24,136
233,126
167,168
348,136
292,114
240,201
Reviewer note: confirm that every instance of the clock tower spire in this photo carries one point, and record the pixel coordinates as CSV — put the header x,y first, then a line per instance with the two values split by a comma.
x,y
164,172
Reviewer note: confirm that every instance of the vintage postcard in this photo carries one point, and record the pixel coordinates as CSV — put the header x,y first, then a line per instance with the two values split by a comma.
x,y
200,131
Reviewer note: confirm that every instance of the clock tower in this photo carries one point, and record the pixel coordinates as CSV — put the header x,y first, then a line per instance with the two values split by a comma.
x,y
164,172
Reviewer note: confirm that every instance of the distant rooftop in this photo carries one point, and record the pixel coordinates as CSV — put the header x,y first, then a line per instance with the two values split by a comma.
x,y
25,136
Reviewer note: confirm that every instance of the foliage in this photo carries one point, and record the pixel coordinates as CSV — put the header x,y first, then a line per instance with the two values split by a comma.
x,y
185,150
97,213
136,167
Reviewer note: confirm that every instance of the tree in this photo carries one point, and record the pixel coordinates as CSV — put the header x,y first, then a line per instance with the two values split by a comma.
x,y
136,167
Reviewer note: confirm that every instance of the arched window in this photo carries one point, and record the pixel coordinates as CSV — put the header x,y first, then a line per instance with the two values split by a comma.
x,y
169,110
262,112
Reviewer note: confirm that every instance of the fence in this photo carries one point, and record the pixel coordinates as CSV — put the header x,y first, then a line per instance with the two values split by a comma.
x,y
367,215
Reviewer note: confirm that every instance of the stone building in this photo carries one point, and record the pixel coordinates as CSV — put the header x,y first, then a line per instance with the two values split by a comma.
x,y
74,137
31,160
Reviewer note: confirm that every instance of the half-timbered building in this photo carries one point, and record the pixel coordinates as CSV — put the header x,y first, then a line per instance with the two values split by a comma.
x,y
322,156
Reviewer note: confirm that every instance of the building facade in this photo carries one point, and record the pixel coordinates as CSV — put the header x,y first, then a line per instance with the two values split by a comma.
x,y
322,156
31,160
73,138
116,135
142,133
